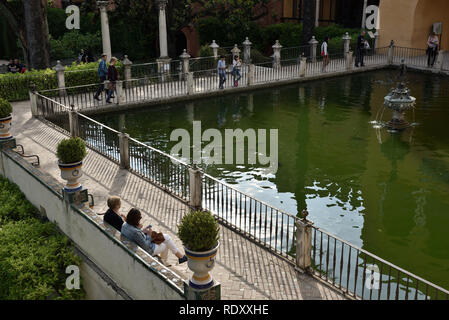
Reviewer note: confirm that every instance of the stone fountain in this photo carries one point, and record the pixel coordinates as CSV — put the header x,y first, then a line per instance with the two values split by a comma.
x,y
399,101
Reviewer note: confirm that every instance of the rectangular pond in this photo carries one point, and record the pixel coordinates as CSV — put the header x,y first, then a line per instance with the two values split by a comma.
x,y
387,193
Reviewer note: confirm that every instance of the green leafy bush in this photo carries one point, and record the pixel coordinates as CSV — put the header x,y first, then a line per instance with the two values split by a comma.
x,y
199,231
71,43
5,108
206,51
13,204
33,255
71,150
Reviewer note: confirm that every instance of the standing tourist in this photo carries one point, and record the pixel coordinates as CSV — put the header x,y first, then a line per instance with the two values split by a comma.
x,y
112,77
432,49
360,50
221,68
325,52
236,65
102,74
81,56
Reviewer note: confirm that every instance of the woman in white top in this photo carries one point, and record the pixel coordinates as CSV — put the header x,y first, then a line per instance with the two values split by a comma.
x,y
324,52
432,49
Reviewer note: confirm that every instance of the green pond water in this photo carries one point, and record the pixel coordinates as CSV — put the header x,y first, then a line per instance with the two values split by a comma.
x,y
387,193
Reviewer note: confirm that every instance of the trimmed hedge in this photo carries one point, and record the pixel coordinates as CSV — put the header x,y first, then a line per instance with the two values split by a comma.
x,y
15,87
33,254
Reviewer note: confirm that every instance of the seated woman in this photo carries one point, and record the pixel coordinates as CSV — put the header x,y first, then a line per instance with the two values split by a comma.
x,y
112,216
132,230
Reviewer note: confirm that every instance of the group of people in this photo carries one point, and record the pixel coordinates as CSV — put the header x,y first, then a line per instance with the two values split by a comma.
x,y
85,57
130,226
15,66
361,49
109,73
222,67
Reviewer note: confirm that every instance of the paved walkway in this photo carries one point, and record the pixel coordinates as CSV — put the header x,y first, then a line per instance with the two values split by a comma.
x,y
245,270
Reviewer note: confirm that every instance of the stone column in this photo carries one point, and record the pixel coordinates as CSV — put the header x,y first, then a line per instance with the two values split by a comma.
x,y
73,122
164,60
365,4
313,44
214,46
196,186
124,149
302,66
277,54
317,13
235,51
185,58
346,43
105,28
59,68
247,51
127,64
304,244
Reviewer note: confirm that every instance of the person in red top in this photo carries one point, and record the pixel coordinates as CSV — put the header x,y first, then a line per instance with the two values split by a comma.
x,y
112,77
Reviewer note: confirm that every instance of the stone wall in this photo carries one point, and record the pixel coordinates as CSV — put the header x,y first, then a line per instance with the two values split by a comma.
x,y
125,270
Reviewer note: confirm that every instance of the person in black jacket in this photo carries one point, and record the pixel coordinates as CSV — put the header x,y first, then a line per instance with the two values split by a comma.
x,y
112,216
360,50
112,77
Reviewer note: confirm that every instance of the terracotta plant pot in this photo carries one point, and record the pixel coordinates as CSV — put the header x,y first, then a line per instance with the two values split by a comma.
x,y
5,126
71,172
201,263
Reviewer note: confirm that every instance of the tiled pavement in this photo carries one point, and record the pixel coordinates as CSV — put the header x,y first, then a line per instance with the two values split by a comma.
x,y
245,270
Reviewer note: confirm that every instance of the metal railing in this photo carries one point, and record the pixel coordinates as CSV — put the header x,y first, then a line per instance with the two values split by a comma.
x,y
353,270
267,225
363,275
154,88
414,57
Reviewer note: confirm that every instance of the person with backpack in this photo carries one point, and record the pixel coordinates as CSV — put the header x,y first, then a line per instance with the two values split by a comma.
x,y
324,52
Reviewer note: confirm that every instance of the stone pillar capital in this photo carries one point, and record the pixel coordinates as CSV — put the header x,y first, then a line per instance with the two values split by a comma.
x,y
103,5
162,4
59,67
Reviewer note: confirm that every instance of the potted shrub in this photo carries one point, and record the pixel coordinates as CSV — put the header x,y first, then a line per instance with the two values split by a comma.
x,y
199,232
70,153
5,119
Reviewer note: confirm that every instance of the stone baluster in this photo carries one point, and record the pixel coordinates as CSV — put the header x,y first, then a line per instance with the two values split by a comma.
x,y
247,51
313,45
214,46
277,54
346,44
304,243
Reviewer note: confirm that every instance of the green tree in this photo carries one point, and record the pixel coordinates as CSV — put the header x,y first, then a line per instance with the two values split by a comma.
x,y
308,21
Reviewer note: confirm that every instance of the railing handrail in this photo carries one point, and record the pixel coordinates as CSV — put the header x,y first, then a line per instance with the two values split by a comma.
x,y
53,101
380,259
98,123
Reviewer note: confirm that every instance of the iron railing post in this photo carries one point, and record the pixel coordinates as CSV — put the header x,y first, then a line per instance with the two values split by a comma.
x,y
391,52
124,149
33,100
303,66
304,244
349,63
196,187
73,122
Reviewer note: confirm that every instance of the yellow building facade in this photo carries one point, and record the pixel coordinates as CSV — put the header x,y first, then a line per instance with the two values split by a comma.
x,y
409,22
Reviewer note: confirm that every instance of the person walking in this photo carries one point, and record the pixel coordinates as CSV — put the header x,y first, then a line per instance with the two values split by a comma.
x,y
325,52
112,77
80,56
102,74
360,50
221,68
236,65
432,49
